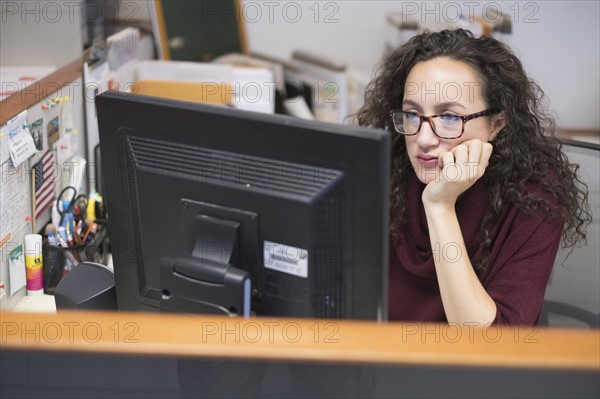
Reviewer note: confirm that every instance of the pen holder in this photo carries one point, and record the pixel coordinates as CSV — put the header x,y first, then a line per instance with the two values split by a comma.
x,y
58,261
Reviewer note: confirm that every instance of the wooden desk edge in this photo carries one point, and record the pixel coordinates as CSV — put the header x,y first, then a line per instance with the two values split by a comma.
x,y
45,87
566,132
302,340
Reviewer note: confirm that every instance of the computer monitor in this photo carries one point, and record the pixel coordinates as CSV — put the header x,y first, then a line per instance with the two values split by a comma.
x,y
218,210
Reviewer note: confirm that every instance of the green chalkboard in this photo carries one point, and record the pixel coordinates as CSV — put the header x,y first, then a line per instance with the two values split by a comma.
x,y
200,30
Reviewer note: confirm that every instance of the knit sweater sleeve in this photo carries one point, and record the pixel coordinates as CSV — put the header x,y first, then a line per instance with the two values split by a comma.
x,y
520,271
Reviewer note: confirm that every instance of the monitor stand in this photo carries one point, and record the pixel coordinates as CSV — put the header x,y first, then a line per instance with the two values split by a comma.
x,y
206,282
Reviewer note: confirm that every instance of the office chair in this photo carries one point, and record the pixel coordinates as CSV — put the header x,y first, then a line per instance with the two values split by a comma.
x,y
573,293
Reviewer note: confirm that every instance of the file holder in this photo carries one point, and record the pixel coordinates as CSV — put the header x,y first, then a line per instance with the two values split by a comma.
x,y
90,286
58,261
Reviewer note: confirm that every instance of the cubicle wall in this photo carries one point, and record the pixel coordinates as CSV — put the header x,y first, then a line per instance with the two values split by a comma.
x,y
573,294
75,375
148,355
54,106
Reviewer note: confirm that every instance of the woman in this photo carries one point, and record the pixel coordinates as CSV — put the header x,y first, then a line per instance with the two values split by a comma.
x,y
481,192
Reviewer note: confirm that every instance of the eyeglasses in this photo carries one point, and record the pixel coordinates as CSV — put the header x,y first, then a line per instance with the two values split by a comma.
x,y
445,126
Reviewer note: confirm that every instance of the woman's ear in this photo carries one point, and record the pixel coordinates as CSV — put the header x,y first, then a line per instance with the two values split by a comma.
x,y
498,122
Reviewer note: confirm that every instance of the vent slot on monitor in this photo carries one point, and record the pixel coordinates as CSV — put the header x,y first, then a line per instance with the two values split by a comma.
x,y
330,292
226,168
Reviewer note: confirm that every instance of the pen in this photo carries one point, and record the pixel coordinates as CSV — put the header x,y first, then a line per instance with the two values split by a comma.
x,y
69,260
77,238
71,244
79,227
91,229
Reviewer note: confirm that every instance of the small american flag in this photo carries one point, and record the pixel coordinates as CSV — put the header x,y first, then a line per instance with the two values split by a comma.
x,y
45,182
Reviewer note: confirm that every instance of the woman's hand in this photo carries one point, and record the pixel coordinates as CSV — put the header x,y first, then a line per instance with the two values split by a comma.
x,y
463,296
461,167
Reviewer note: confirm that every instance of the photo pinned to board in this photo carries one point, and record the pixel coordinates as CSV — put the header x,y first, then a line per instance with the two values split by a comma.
x,y
36,129
53,131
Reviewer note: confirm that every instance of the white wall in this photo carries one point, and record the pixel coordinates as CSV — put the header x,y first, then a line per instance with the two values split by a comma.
x,y
562,53
40,32
558,44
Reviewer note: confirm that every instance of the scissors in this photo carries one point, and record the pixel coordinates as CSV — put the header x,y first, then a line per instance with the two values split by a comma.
x,y
71,204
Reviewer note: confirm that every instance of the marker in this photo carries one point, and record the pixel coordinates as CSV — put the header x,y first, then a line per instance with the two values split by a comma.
x,y
79,227
52,240
71,223
62,236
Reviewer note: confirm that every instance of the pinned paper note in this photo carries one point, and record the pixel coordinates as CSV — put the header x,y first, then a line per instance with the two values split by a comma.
x,y
20,143
16,269
4,155
65,149
15,197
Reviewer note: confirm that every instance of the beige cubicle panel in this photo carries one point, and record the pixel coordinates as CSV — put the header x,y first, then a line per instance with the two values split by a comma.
x,y
154,354
319,340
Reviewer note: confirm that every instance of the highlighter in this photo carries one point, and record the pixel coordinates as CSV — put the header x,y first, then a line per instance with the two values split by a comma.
x,y
91,208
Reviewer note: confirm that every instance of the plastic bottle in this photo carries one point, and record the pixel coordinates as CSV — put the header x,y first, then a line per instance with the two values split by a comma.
x,y
33,264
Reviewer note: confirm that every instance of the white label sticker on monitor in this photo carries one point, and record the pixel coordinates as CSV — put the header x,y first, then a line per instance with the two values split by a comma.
x,y
286,259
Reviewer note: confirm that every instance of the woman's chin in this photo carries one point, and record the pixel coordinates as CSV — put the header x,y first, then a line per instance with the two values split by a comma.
x,y
427,175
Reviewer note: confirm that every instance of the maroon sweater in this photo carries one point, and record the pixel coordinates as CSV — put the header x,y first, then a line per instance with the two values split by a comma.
x,y
522,255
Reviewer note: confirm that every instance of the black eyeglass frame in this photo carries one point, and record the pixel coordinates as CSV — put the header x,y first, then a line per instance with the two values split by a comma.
x,y
429,119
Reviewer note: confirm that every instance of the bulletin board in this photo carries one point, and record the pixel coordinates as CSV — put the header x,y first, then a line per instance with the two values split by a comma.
x,y
195,30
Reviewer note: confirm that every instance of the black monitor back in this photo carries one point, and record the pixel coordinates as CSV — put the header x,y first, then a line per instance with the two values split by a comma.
x,y
309,201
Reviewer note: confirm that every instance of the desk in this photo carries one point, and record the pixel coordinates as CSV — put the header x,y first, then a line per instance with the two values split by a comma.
x,y
36,304
585,135
45,303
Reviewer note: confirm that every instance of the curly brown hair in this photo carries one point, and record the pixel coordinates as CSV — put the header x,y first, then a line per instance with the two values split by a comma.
x,y
524,150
